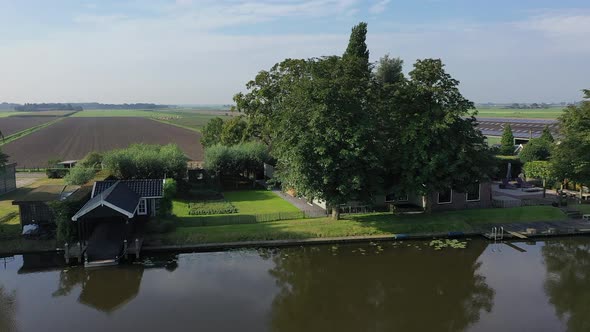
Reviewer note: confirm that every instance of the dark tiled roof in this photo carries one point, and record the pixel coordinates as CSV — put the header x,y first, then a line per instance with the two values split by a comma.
x,y
143,188
118,197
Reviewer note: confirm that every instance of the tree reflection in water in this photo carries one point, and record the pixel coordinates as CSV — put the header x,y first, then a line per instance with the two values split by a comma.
x,y
568,281
7,310
398,289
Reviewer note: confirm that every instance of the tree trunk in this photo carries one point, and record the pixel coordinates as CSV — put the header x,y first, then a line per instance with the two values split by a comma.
x,y
544,188
335,213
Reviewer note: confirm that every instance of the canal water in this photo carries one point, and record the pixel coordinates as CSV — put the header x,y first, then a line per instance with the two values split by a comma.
x,y
393,286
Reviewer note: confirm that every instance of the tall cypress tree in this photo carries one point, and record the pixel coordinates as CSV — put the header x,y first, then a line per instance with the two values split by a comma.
x,y
507,141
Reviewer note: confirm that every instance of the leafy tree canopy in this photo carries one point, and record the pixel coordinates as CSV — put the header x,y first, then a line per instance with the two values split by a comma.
x,y
211,133
570,159
536,149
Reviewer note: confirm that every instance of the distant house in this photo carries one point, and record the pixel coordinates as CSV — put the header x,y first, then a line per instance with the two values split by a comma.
x,y
8,178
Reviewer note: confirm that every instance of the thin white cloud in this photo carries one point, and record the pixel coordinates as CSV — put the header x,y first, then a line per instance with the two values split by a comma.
x,y
379,7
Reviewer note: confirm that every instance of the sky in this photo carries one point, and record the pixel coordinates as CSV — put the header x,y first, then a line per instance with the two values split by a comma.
x,y
205,51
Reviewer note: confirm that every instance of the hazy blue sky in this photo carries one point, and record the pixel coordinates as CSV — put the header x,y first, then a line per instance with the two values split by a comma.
x,y
196,51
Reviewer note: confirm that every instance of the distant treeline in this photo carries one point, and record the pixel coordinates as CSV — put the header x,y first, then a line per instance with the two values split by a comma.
x,y
31,107
47,107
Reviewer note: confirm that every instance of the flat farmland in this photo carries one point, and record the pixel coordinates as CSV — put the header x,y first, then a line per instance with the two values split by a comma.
x,y
11,125
73,138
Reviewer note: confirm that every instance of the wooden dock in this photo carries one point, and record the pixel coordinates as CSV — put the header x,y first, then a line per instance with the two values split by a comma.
x,y
534,229
77,252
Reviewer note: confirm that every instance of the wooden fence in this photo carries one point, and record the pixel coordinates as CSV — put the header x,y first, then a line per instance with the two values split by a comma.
x,y
229,219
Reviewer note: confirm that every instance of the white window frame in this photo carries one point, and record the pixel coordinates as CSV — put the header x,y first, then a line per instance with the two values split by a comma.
x,y
441,203
139,206
478,195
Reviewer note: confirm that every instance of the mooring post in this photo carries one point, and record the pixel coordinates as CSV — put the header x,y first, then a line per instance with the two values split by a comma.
x,y
67,253
125,248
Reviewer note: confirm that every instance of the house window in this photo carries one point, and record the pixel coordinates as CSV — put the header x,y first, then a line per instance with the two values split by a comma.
x,y
473,192
142,207
445,197
393,197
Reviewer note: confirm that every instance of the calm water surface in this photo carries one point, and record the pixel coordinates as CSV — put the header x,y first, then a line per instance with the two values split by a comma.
x,y
532,286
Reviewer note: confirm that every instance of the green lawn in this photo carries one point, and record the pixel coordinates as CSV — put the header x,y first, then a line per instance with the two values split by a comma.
x,y
549,113
258,202
584,208
248,203
360,225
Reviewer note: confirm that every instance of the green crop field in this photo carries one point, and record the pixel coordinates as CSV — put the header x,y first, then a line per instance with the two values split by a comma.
x,y
497,112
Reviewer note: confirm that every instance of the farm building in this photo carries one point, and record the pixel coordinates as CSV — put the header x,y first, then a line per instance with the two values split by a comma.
x,y
66,164
478,196
34,207
8,178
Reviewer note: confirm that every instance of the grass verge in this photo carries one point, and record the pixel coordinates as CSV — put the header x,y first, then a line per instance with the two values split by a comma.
x,y
359,225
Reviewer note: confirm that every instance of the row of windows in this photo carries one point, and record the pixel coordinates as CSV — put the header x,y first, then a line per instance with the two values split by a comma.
x,y
472,194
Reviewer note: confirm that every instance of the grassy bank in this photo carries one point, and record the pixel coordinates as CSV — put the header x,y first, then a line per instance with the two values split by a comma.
x,y
359,225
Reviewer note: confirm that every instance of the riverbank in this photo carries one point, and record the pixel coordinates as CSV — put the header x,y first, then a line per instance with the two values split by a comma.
x,y
366,227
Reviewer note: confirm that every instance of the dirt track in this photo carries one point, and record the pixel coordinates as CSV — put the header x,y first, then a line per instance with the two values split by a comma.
x,y
73,138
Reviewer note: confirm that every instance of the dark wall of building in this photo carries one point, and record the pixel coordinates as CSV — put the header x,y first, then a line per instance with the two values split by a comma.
x,y
459,201
8,179
35,213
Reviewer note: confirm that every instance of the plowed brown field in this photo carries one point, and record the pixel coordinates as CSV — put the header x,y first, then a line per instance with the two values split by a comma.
x,y
73,138
11,125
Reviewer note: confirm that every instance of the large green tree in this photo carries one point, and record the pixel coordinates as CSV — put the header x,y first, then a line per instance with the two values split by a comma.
x,y
211,133
318,113
571,158
438,145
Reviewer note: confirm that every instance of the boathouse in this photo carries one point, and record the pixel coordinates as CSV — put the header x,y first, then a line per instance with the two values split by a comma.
x,y
115,215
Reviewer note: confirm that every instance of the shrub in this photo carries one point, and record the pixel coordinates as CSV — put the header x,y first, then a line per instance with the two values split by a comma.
x,y
166,201
79,175
159,226
57,173
144,161
62,213
92,160
232,160
211,207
